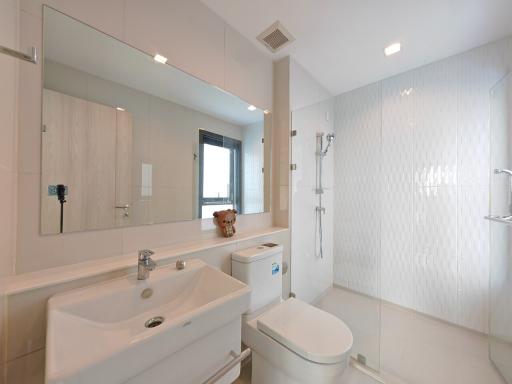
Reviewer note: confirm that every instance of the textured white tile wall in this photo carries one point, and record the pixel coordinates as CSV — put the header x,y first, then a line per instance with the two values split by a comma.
x,y
412,185
357,208
397,187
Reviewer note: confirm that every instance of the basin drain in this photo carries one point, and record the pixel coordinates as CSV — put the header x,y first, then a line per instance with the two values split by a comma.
x,y
154,322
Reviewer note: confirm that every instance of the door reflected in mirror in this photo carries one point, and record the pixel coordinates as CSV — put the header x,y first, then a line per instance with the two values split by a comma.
x,y
131,141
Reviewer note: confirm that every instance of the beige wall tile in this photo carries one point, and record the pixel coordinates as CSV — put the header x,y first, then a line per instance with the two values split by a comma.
x,y
39,252
247,70
8,79
159,235
7,221
281,142
153,26
29,99
218,257
26,314
186,32
9,27
107,16
201,54
3,331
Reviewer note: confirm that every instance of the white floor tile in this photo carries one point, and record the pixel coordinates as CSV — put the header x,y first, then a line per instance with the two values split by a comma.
x,y
414,349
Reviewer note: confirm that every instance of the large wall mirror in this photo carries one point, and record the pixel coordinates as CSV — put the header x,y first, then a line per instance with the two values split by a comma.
x,y
128,140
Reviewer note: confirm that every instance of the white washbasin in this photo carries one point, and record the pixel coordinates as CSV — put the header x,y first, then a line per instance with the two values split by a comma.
x,y
97,334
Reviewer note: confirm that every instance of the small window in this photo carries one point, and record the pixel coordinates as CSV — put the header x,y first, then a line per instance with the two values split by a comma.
x,y
220,173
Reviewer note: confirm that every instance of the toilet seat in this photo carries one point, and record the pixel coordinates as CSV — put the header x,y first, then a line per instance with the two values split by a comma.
x,y
311,333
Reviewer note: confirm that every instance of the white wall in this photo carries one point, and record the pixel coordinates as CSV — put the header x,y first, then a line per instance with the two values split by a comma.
x,y
211,51
412,176
304,89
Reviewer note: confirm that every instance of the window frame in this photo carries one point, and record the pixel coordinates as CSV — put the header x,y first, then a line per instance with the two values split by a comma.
x,y
235,177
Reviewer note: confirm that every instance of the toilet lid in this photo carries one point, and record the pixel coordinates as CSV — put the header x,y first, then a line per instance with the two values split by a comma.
x,y
308,331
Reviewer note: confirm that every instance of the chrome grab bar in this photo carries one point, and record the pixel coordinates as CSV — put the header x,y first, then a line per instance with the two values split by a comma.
x,y
225,369
500,219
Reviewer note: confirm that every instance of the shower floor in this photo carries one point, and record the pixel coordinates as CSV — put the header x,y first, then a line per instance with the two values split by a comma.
x,y
414,349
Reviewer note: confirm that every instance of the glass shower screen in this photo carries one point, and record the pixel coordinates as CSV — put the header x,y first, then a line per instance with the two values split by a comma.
x,y
325,268
500,332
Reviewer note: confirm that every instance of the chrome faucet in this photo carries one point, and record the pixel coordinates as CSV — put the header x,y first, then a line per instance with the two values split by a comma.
x,y
146,264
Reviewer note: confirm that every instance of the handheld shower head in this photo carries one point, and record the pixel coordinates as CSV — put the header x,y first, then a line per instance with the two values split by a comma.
x,y
330,139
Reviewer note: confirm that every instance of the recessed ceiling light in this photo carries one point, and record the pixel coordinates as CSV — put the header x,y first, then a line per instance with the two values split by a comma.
x,y
120,109
266,111
251,108
392,49
160,59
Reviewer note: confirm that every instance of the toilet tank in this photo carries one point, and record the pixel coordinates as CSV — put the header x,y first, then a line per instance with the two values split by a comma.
x,y
260,268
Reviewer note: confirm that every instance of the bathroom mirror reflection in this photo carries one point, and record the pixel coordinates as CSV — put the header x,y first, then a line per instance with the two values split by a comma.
x,y
128,140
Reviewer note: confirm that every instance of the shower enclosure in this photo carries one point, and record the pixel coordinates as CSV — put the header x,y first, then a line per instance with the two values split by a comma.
x,y
320,225
405,191
500,340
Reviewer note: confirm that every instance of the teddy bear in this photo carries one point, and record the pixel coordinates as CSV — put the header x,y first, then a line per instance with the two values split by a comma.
x,y
226,221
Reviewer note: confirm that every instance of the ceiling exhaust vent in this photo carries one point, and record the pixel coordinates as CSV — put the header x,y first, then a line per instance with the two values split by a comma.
x,y
275,37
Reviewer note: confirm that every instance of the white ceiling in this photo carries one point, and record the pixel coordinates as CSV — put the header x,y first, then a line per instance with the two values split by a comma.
x,y
79,46
341,42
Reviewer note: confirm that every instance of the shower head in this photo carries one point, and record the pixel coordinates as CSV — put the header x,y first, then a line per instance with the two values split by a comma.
x,y
330,139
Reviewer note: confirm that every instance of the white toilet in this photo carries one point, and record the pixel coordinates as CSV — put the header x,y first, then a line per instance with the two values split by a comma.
x,y
292,342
